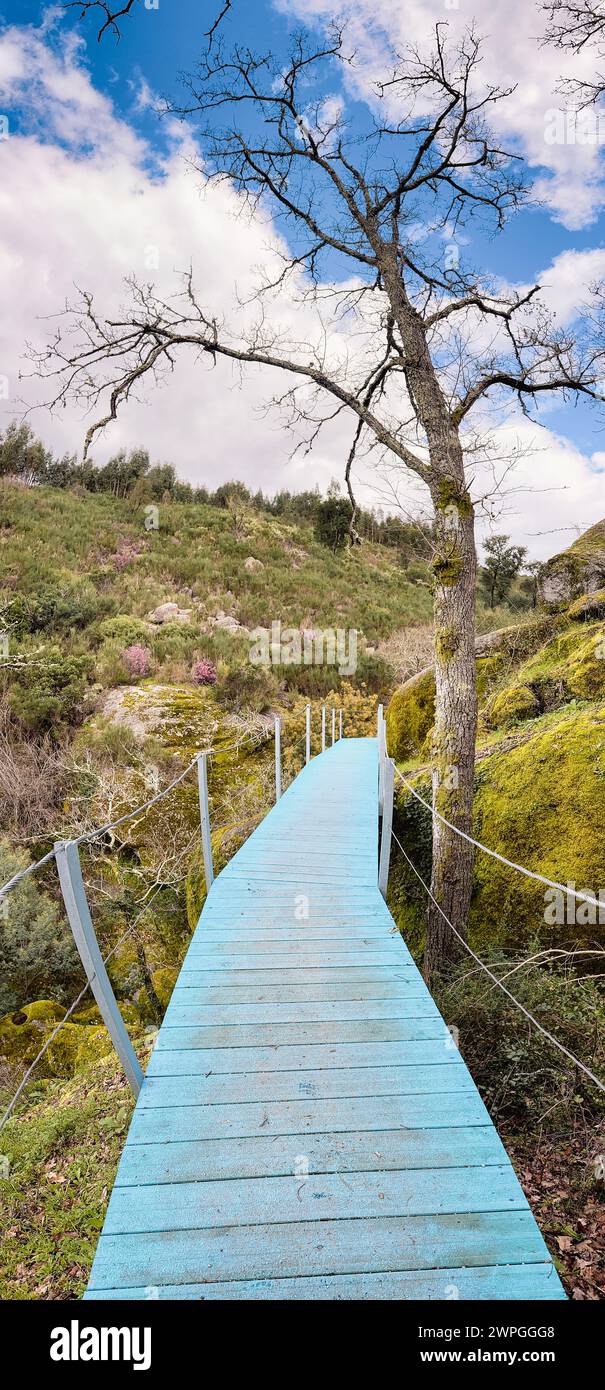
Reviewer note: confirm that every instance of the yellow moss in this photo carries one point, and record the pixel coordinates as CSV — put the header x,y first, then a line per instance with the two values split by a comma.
x,y
163,981
588,606
22,1033
586,674
195,888
540,805
410,716
514,703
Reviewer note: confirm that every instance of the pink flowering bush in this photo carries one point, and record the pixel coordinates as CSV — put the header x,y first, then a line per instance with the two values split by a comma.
x,y
137,661
203,672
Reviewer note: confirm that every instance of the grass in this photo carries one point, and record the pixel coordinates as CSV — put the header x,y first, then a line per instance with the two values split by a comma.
x,y
55,1195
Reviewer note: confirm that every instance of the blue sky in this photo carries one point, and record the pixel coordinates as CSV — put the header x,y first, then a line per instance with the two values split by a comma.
x,y
561,242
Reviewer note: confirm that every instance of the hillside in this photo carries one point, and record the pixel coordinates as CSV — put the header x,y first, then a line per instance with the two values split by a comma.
x,y
125,651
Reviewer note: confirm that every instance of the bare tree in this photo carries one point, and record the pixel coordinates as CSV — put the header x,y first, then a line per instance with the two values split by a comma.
x,y
576,25
403,340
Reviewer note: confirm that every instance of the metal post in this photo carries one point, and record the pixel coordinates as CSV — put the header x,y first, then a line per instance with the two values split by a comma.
x,y
381,758
202,781
387,825
333,726
308,735
340,723
323,728
277,759
80,921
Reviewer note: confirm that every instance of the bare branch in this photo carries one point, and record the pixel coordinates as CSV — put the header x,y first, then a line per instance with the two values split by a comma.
x,y
110,13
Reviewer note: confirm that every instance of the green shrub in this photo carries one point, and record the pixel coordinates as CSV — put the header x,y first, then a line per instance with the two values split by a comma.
x,y
48,694
248,687
526,1082
37,952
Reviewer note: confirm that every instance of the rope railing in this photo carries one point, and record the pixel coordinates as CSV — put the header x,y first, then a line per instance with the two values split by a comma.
x,y
66,855
517,1002
386,769
510,863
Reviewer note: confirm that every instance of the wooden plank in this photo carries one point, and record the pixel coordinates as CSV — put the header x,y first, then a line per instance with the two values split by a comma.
x,y
283,1034
305,1057
278,1155
196,1206
192,1123
178,1091
494,1283
293,956
412,1005
314,1248
388,998
316,975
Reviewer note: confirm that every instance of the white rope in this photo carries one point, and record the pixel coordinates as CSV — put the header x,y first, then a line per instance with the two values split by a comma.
x,y
72,1007
541,1029
529,873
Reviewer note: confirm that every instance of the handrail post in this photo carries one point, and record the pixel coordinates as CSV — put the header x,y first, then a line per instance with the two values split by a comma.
x,y
202,781
340,723
323,728
381,759
308,734
387,825
80,921
333,726
277,759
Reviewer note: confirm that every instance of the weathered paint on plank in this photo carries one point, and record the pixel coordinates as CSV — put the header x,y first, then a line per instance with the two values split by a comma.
x,y
196,1206
276,1154
196,1122
346,1082
371,1245
313,1057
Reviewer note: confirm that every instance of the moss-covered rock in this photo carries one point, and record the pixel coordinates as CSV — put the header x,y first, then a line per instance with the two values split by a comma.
x,y
22,1033
92,1044
586,674
515,703
578,570
411,715
163,981
588,606
541,805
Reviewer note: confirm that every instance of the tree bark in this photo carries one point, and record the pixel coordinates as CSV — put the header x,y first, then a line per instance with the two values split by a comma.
x,y
453,750
455,569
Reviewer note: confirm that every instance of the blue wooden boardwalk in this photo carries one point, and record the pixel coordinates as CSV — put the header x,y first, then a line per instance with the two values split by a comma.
x,y
307,1128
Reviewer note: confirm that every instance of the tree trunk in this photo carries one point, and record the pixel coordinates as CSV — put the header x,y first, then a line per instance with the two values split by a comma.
x,y
455,568
453,752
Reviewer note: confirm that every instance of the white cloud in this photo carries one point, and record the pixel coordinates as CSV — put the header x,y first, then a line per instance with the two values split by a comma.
x,y
554,493
573,185
84,201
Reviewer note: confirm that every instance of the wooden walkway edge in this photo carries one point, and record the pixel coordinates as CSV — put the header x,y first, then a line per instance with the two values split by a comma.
x,y
307,1128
